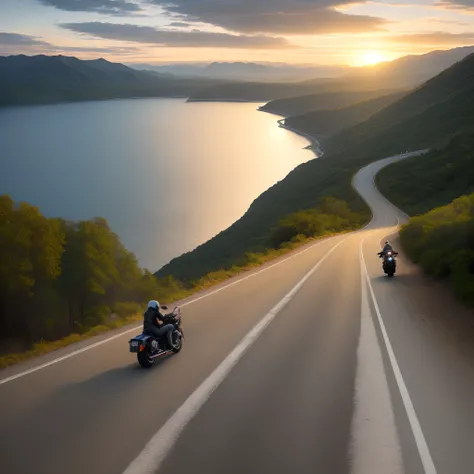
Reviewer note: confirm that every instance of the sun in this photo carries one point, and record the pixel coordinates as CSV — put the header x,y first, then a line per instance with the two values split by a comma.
x,y
370,58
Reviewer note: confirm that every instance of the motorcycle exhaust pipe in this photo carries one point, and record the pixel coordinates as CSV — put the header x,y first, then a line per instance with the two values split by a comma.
x,y
160,354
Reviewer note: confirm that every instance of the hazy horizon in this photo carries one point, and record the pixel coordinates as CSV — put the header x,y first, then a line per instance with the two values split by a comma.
x,y
303,32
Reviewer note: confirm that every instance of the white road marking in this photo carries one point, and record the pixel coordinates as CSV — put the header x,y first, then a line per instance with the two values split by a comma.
x,y
150,459
137,328
422,446
375,446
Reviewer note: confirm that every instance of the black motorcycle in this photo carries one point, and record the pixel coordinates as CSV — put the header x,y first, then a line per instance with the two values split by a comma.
x,y
149,348
389,263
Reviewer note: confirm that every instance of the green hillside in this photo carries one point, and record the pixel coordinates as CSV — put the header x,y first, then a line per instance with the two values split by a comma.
x,y
441,107
418,185
320,101
324,123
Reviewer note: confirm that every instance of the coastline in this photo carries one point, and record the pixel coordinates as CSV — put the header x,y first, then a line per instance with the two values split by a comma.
x,y
315,146
243,101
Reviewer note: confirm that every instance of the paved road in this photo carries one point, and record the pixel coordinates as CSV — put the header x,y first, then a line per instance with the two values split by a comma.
x,y
314,364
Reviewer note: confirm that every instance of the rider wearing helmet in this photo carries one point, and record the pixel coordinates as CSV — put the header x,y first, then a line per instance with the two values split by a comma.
x,y
153,323
387,248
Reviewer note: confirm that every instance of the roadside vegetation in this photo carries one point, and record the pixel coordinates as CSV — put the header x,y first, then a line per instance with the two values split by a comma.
x,y
441,236
60,278
442,243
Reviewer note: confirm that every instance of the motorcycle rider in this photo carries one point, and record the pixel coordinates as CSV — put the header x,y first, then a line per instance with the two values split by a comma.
x,y
387,248
153,323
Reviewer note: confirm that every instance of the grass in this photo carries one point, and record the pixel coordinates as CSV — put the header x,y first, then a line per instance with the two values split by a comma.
x,y
45,347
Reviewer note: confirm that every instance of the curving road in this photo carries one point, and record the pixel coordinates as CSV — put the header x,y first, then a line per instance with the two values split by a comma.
x,y
316,363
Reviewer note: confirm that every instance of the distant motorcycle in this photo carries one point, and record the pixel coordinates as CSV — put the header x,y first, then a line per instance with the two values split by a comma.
x,y
149,348
389,263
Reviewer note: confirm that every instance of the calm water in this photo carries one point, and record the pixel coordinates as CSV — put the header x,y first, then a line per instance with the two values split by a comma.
x,y
167,175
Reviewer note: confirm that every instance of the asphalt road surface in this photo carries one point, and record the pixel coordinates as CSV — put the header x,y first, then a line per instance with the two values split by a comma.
x,y
315,363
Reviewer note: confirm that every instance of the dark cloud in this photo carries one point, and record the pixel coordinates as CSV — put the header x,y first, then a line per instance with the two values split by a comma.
x,y
81,49
437,38
197,39
107,7
179,24
456,4
272,16
16,39
17,43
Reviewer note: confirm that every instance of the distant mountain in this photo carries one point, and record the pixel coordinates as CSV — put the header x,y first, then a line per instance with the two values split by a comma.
x,y
401,73
280,96
48,79
332,100
417,68
248,71
441,107
327,122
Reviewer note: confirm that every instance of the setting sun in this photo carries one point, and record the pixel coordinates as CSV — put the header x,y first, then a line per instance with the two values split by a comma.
x,y
371,58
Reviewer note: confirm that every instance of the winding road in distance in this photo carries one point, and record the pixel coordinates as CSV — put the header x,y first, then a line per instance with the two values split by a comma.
x,y
315,363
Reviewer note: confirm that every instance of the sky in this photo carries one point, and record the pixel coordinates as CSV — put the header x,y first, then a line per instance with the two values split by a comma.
x,y
316,32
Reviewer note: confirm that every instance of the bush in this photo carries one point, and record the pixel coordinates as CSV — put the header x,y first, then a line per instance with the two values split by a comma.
x,y
126,309
331,215
442,243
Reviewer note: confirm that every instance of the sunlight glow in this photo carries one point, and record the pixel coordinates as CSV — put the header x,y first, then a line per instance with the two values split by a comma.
x,y
371,58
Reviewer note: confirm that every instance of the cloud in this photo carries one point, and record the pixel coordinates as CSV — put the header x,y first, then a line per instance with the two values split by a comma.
x,y
17,39
296,17
179,24
17,43
106,7
171,38
437,38
456,4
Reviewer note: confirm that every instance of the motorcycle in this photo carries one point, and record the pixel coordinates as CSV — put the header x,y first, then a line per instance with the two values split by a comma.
x,y
149,348
389,263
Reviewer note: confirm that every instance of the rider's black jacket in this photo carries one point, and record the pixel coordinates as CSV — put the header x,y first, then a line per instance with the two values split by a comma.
x,y
149,318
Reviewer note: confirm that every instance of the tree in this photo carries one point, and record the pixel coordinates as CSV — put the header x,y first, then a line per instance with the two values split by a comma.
x,y
31,248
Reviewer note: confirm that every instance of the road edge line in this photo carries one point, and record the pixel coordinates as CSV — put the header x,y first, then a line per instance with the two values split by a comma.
x,y
421,444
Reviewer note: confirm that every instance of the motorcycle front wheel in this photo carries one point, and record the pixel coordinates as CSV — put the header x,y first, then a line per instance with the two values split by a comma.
x,y
177,341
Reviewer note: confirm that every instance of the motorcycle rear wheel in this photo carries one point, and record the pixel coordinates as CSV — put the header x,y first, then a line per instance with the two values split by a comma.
x,y
144,359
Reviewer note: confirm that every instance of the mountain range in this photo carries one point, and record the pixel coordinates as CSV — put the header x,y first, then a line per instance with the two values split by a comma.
x,y
247,71
48,79
405,72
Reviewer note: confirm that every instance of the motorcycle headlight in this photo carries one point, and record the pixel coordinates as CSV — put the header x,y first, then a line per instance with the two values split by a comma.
x,y
390,259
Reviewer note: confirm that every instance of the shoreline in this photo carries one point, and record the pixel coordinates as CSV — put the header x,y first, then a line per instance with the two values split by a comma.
x,y
315,146
242,101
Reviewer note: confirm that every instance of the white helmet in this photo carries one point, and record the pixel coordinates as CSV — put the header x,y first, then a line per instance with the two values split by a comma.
x,y
154,304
